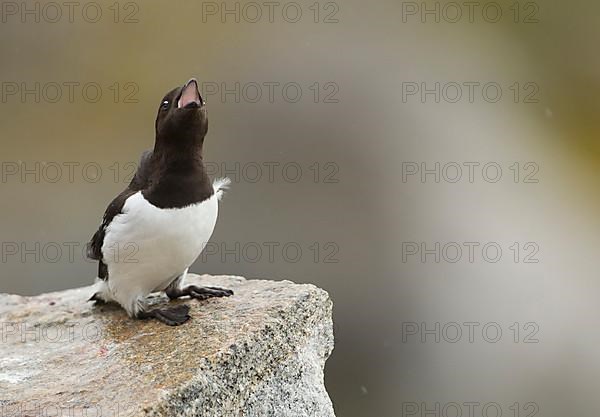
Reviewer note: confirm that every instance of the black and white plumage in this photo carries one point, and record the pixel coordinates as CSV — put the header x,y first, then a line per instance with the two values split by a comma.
x,y
155,229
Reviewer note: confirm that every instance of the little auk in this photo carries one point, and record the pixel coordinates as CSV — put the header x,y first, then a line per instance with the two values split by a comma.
x,y
153,231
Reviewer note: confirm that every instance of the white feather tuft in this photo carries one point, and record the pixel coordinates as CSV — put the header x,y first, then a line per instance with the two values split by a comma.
x,y
220,185
100,290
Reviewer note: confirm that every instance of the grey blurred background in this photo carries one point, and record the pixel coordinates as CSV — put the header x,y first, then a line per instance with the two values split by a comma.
x,y
353,133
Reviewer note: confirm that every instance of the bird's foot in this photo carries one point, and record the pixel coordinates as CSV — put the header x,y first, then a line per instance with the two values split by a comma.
x,y
175,316
199,293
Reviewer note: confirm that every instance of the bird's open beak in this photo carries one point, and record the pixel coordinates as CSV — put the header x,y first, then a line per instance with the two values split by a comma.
x,y
190,96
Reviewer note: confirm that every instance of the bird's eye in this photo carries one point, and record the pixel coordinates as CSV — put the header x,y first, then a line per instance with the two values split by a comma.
x,y
165,104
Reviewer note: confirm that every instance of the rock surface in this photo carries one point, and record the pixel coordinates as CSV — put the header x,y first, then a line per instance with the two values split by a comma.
x,y
258,353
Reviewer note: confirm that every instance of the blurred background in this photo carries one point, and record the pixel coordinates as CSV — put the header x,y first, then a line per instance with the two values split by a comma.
x,y
435,166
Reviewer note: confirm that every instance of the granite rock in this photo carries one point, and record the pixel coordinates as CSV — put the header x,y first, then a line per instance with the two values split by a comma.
x,y
259,353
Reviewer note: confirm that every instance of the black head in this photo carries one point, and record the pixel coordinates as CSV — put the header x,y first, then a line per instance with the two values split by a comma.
x,y
181,120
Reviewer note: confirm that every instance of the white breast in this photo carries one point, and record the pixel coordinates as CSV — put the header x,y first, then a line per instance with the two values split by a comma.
x,y
146,247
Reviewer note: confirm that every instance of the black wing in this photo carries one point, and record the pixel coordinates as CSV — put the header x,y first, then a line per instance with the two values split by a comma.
x,y
139,182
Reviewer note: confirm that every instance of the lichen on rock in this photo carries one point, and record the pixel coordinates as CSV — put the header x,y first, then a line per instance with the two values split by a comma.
x,y
259,353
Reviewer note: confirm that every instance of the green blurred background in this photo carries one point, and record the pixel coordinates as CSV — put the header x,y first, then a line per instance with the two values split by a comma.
x,y
359,211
